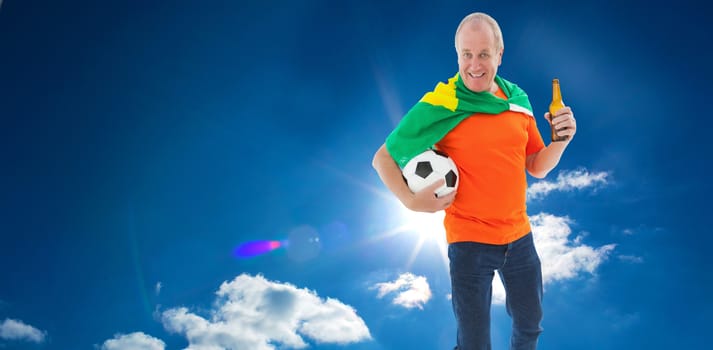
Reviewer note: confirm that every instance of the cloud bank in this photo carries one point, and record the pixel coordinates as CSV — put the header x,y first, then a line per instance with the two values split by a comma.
x,y
17,330
133,341
251,312
409,291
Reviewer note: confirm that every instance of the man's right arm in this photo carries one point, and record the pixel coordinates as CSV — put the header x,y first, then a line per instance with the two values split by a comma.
x,y
390,174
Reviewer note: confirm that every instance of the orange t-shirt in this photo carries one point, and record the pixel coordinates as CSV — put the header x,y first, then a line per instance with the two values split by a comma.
x,y
490,152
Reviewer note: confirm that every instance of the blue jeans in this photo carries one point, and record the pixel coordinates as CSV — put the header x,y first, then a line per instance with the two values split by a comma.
x,y
472,268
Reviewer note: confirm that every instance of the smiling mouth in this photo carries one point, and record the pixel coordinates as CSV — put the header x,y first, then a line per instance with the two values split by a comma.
x,y
475,76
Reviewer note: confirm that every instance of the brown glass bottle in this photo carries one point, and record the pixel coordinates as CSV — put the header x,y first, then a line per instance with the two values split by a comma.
x,y
556,105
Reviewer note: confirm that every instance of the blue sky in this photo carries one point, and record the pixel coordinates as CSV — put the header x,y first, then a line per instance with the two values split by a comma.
x,y
143,142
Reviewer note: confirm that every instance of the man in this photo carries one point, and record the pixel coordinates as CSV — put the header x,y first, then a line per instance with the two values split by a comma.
x,y
485,124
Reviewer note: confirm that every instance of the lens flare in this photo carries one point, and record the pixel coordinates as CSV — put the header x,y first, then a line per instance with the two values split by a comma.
x,y
255,248
303,243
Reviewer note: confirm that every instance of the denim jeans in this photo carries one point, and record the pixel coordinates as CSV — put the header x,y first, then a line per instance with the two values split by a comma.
x,y
472,268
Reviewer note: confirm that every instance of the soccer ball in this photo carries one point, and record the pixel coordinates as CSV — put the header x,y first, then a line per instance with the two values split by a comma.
x,y
429,166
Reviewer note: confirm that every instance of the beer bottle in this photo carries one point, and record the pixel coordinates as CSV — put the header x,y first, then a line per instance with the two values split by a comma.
x,y
556,105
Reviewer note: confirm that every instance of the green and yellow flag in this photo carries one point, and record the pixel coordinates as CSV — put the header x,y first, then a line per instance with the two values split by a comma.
x,y
440,110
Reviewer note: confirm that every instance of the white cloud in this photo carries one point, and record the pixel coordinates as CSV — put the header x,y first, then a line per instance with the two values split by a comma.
x,y
621,322
17,330
133,341
411,291
158,287
498,291
568,181
251,312
631,259
562,258
641,229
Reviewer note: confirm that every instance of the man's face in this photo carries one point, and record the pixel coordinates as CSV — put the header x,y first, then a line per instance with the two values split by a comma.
x,y
478,58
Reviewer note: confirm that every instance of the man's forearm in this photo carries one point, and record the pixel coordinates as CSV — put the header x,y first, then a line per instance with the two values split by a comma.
x,y
541,163
390,175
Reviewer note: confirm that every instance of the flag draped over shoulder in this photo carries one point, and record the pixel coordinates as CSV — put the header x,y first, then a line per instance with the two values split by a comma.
x,y
442,109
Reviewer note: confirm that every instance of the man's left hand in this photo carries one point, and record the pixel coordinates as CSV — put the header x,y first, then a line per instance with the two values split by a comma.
x,y
563,122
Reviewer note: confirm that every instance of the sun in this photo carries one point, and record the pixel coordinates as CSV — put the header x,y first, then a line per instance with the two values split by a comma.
x,y
423,228
427,227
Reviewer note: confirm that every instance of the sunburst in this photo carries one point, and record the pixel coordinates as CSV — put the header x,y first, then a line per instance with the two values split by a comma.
x,y
424,228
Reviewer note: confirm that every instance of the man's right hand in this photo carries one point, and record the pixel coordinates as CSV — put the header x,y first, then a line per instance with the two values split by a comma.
x,y
425,200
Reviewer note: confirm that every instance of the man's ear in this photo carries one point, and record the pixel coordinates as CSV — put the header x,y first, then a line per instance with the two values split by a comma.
x,y
500,56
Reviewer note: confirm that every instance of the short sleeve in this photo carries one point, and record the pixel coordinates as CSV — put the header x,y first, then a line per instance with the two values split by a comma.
x,y
534,139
